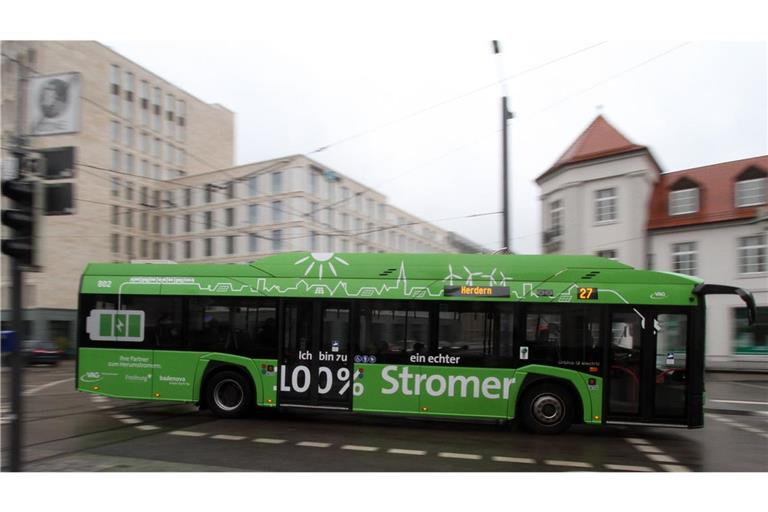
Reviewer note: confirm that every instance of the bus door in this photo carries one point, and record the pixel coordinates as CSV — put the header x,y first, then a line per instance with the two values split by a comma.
x,y
315,360
647,378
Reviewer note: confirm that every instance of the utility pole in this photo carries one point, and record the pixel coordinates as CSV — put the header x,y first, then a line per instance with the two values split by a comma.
x,y
506,115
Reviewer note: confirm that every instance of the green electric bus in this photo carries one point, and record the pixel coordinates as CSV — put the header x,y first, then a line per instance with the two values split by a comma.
x,y
546,340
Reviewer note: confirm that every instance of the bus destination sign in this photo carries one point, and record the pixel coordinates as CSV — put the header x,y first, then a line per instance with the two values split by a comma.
x,y
476,291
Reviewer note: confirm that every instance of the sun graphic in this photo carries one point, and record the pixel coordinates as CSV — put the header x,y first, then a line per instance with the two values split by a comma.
x,y
321,259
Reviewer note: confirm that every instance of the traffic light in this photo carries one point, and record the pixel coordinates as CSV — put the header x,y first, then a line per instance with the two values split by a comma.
x,y
22,219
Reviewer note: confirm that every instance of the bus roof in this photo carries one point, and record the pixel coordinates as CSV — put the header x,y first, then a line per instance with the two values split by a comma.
x,y
539,278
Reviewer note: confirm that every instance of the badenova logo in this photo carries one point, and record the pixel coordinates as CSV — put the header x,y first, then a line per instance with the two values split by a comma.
x,y
114,325
659,295
462,386
174,381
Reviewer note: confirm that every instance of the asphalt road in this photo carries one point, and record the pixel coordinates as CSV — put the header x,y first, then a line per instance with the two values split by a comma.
x,y
69,431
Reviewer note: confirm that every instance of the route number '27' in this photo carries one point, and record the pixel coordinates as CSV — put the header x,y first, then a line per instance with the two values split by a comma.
x,y
588,293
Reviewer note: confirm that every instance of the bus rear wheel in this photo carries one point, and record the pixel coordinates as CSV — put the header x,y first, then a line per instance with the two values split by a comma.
x,y
547,409
229,394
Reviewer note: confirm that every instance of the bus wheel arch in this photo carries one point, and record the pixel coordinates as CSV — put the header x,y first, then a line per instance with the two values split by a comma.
x,y
548,405
228,390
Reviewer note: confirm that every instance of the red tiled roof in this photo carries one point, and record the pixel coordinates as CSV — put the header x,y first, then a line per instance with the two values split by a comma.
x,y
600,139
716,194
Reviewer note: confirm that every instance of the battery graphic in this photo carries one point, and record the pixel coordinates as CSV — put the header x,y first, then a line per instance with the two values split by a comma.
x,y
112,325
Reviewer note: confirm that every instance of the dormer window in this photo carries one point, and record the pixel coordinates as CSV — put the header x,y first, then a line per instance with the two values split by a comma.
x,y
750,188
684,197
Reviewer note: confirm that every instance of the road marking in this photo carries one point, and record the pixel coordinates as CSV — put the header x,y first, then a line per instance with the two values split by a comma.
x,y
568,463
635,440
130,421
187,433
513,460
44,386
468,456
147,427
120,416
313,444
403,451
754,430
620,467
268,440
674,468
225,437
648,448
359,448
742,402
660,458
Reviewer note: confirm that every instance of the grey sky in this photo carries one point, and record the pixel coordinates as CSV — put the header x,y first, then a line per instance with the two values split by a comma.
x,y
700,103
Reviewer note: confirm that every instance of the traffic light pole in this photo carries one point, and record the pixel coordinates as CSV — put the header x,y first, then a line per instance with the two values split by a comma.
x,y
16,368
17,365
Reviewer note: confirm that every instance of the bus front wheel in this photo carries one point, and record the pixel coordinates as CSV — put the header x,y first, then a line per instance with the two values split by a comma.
x,y
547,409
229,395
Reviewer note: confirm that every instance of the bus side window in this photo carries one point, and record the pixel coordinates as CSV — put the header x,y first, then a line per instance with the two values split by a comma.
x,y
542,335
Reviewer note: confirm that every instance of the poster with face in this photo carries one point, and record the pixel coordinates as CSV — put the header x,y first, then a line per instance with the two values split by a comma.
x,y
53,104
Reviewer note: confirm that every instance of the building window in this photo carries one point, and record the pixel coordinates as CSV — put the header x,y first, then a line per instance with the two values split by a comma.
x,y
253,213
684,201
129,165
277,182
187,249
208,220
230,244
605,205
556,218
170,225
115,187
129,246
611,254
115,243
144,221
313,240
128,191
229,215
277,240
209,192
129,217
253,242
116,160
277,211
115,215
752,252
187,223
144,249
230,190
751,339
684,258
187,197
208,243
750,192
253,188
129,136
171,252
115,132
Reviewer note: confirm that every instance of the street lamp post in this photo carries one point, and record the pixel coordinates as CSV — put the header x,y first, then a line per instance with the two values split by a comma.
x,y
506,115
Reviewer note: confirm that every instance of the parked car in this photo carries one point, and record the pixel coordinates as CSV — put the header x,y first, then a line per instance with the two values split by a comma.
x,y
41,352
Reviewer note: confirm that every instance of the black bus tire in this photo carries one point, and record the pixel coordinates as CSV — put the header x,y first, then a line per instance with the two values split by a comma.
x,y
547,408
228,394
